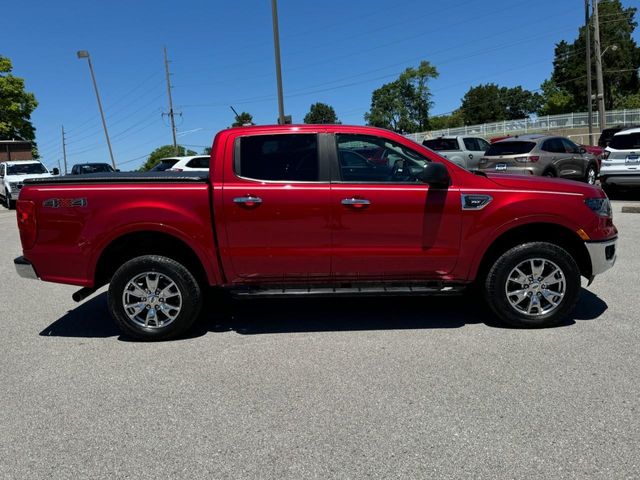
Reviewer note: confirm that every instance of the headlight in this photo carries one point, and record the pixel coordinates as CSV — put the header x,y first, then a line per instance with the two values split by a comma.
x,y
600,206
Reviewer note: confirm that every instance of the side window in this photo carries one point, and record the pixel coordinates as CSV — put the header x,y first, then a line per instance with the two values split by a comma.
x,y
483,144
471,144
569,146
289,157
1,170
553,145
201,162
364,158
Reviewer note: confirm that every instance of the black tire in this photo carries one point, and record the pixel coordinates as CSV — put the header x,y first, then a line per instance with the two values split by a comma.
x,y
591,174
184,306
549,173
496,284
7,201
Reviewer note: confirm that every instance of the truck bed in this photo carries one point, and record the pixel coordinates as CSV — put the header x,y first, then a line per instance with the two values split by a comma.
x,y
123,177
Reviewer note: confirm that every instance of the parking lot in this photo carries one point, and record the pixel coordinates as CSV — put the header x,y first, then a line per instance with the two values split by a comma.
x,y
361,388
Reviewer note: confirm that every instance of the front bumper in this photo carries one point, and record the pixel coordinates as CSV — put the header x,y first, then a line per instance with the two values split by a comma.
x,y
25,268
603,255
625,179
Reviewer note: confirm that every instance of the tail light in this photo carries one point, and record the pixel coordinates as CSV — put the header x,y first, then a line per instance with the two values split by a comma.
x,y
27,224
534,158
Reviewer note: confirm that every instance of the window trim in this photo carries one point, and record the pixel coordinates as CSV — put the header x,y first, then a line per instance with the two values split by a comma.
x,y
323,167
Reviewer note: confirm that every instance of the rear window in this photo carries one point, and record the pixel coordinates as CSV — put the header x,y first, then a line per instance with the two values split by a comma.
x,y
510,148
199,162
279,157
441,144
164,165
630,141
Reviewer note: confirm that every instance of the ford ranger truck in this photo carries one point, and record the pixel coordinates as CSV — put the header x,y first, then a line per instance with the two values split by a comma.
x,y
300,211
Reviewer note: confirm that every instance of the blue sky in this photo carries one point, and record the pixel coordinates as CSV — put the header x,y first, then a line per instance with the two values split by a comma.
x,y
221,53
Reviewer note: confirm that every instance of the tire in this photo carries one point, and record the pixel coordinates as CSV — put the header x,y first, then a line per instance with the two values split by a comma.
x,y
591,175
171,308
7,201
503,278
549,173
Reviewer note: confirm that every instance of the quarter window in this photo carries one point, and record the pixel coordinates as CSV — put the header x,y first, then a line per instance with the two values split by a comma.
x,y
289,157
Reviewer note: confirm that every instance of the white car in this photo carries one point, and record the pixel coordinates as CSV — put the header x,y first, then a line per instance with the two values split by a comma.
x,y
14,173
621,161
196,163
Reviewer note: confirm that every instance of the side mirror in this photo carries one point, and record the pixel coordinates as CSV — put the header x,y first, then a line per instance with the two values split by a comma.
x,y
117,169
583,150
436,175
55,171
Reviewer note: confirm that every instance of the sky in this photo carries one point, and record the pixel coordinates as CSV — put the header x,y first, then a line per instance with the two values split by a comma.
x,y
221,54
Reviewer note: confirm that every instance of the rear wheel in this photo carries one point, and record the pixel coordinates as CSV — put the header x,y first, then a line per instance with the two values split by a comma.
x,y
533,285
549,173
591,174
154,298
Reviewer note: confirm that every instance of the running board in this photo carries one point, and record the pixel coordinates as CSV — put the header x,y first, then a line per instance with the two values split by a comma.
x,y
352,291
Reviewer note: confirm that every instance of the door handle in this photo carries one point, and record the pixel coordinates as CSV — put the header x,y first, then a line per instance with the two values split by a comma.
x,y
471,156
356,202
248,201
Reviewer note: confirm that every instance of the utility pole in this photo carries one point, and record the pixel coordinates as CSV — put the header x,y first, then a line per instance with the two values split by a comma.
x,y
587,26
276,46
598,55
64,151
171,113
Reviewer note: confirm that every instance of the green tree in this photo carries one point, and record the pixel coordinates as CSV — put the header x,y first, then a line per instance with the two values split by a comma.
x,y
164,151
555,99
619,63
243,119
321,113
441,122
16,106
491,103
403,105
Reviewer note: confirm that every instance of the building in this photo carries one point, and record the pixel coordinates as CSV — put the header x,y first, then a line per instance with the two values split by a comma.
x,y
15,150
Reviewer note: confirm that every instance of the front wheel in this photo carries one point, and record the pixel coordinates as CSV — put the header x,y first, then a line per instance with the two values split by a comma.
x,y
533,285
591,175
154,298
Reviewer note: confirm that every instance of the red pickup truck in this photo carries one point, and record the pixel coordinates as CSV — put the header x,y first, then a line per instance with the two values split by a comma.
x,y
300,210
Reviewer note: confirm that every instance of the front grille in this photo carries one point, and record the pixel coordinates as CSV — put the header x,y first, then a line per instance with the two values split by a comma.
x,y
609,252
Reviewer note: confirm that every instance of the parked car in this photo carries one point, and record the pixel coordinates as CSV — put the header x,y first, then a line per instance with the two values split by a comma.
x,y
196,163
14,173
280,214
621,161
463,151
544,155
607,134
164,164
82,168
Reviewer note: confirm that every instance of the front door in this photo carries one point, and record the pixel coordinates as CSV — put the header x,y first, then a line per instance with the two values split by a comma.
x,y
388,225
276,210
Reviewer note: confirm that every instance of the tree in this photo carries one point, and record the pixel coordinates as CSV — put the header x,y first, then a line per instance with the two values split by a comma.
x,y
619,64
556,100
164,152
441,122
491,103
16,106
403,105
321,113
243,119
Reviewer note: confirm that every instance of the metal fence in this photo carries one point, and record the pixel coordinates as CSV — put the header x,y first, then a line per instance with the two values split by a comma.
x,y
535,124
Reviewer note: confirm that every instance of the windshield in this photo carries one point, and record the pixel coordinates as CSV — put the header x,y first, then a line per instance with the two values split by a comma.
x,y
26,169
164,165
510,148
441,144
629,141
95,168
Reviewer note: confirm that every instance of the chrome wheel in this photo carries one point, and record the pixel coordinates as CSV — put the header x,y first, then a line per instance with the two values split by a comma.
x,y
152,300
535,287
591,176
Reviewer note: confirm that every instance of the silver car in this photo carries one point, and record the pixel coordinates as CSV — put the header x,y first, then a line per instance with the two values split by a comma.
x,y
621,161
544,155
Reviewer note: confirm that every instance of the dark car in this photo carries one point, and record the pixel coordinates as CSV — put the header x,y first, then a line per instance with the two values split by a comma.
x,y
81,168
608,133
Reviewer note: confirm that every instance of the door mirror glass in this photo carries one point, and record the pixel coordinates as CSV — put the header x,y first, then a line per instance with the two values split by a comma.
x,y
55,171
436,175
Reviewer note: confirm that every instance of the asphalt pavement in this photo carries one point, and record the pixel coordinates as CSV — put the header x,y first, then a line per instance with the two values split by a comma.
x,y
361,388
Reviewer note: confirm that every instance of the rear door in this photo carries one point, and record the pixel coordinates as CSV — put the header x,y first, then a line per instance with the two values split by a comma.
x,y
475,150
390,226
576,166
276,210
556,157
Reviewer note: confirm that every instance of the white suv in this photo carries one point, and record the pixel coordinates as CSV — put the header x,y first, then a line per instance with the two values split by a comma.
x,y
621,161
196,163
14,173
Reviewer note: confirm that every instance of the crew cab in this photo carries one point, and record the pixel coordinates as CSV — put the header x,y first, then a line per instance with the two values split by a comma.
x,y
463,151
286,211
14,173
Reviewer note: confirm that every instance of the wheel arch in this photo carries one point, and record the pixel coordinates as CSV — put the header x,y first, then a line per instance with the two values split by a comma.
x,y
536,232
147,242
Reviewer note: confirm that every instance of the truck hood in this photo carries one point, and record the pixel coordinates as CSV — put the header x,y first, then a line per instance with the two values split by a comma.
x,y
22,178
530,182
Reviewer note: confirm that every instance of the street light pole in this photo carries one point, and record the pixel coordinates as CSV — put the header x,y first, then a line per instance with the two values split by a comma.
x,y
587,25
276,46
85,54
598,56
